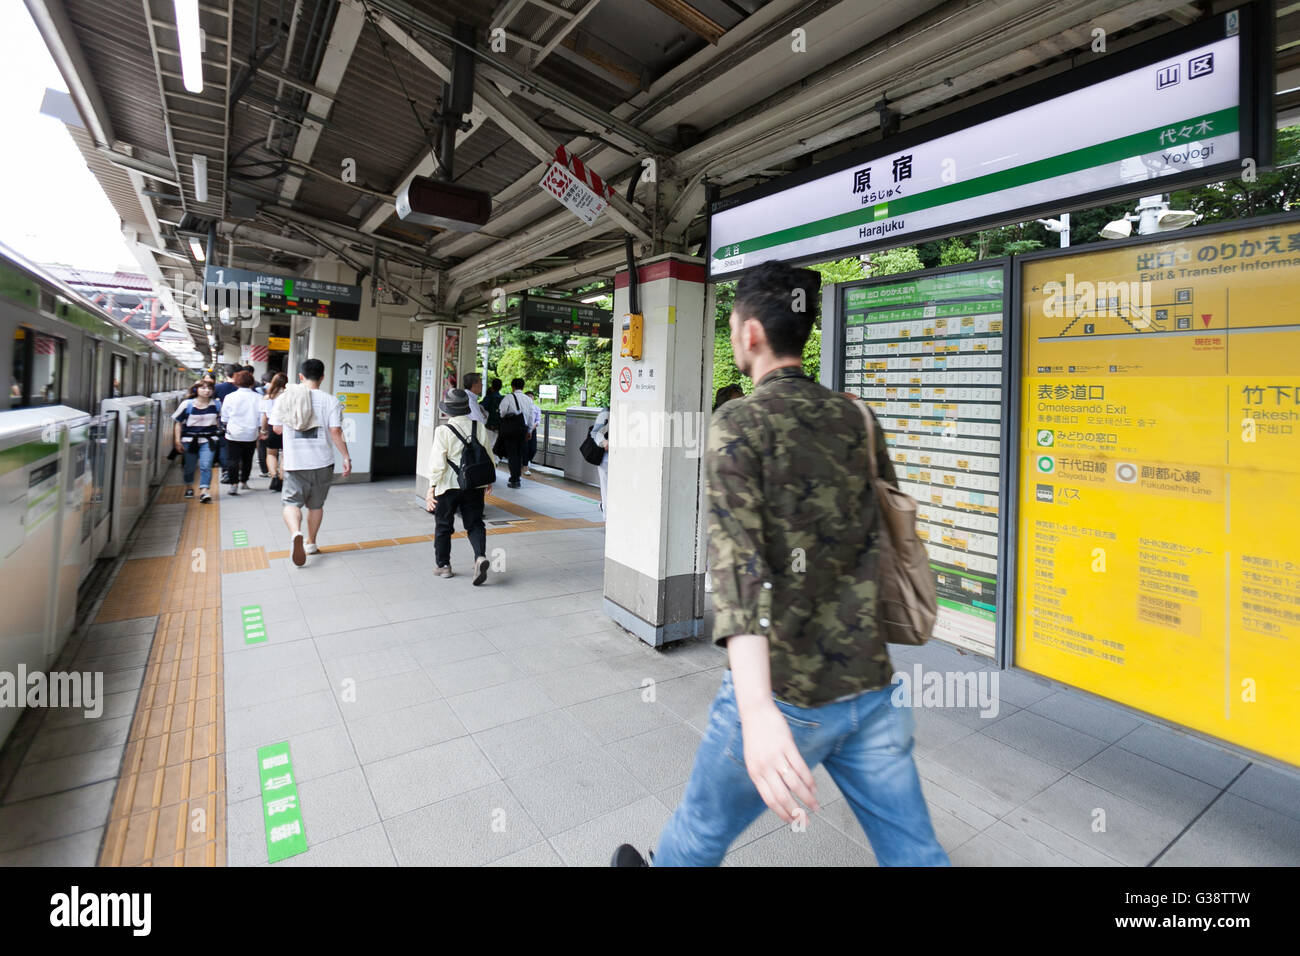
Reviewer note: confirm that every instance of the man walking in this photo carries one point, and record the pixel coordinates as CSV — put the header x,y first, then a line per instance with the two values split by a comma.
x,y
792,552
445,496
491,404
473,389
531,451
516,411
308,420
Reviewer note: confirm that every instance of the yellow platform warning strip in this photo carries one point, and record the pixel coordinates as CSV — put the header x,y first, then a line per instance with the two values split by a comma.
x,y
528,521
170,804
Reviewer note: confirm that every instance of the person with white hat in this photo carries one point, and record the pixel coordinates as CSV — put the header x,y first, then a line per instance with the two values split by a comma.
x,y
446,496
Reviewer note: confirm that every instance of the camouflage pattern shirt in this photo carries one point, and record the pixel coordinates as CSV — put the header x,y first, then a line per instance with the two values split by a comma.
x,y
791,517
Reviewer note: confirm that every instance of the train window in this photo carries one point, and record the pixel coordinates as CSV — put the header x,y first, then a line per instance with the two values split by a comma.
x,y
37,374
118,378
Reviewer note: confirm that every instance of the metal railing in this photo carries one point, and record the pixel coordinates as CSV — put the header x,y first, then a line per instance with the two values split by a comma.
x,y
550,444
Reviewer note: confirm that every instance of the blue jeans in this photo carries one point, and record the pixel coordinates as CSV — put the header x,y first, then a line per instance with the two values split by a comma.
x,y
866,744
200,454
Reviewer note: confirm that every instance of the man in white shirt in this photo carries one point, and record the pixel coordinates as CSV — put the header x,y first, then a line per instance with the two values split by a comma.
x,y
309,460
474,389
515,434
531,452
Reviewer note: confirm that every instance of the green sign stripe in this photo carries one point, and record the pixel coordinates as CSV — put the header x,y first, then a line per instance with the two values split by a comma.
x,y
1098,154
964,574
285,834
966,609
22,455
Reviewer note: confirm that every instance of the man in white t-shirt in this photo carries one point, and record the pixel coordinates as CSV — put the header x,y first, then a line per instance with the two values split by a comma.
x,y
309,459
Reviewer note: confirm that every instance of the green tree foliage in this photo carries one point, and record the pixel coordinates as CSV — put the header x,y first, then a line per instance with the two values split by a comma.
x,y
548,359
954,252
893,261
1278,191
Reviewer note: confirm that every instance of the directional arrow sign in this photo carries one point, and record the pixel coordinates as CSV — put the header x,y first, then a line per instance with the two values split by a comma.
x,y
347,367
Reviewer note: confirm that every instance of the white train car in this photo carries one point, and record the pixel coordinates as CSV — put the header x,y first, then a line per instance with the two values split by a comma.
x,y
84,433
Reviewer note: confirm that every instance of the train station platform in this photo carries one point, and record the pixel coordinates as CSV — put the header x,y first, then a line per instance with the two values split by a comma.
x,y
430,722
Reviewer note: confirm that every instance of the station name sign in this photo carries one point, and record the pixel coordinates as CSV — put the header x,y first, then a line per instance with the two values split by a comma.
x,y
538,314
286,295
1187,107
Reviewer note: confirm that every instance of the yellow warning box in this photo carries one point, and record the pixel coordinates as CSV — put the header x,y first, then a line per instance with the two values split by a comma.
x,y
1159,499
278,343
354,402
354,343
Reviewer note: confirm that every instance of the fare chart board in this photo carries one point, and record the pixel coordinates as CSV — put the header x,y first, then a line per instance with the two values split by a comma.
x,y
1159,490
926,353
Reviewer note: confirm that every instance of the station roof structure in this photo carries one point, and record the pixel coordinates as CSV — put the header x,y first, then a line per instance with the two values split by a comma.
x,y
717,92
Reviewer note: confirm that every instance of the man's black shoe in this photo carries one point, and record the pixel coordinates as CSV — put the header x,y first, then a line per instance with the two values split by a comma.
x,y
627,855
512,484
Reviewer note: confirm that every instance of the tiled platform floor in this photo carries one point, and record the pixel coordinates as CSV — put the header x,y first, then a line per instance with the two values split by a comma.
x,y
432,722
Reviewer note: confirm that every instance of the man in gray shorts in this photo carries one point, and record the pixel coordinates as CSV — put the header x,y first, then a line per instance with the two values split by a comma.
x,y
309,459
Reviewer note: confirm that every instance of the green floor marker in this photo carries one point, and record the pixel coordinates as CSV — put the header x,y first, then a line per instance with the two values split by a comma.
x,y
254,625
285,836
241,539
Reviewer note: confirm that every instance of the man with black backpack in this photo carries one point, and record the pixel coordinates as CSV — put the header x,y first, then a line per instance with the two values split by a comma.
x,y
461,471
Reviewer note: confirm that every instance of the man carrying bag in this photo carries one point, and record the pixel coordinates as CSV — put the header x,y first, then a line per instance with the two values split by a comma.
x,y
516,411
461,470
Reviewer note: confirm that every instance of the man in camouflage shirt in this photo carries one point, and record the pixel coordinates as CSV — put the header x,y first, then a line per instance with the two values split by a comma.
x,y
792,521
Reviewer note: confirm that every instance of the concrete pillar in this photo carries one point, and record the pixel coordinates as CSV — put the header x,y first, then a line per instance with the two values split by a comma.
x,y
447,352
654,522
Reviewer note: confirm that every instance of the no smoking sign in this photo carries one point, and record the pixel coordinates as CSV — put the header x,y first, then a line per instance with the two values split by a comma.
x,y
625,379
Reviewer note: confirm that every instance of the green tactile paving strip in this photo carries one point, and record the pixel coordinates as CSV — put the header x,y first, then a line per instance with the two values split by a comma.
x,y
254,625
241,538
285,836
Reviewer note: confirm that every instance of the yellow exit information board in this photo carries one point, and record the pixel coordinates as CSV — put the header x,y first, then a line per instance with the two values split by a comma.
x,y
1159,496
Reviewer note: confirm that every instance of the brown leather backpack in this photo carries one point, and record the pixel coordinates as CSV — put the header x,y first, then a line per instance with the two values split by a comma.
x,y
906,605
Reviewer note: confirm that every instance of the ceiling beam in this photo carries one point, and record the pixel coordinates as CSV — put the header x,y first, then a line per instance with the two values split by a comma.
x,y
695,21
348,21
507,114
491,68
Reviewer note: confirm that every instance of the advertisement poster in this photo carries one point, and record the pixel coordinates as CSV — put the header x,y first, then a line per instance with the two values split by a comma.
x,y
448,376
354,386
1160,480
926,354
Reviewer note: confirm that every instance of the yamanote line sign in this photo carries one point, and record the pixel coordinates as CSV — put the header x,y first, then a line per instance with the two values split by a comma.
x,y
1178,109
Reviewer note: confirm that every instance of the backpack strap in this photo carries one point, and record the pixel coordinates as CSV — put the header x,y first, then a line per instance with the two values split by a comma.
x,y
871,438
456,433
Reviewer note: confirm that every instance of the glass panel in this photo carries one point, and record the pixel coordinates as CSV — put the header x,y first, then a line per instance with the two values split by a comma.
x,y
412,406
19,373
383,405
47,369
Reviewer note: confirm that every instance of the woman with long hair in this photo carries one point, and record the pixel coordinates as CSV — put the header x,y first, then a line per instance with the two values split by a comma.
x,y
273,441
196,433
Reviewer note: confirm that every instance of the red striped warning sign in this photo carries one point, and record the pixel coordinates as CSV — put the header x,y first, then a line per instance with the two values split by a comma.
x,y
587,176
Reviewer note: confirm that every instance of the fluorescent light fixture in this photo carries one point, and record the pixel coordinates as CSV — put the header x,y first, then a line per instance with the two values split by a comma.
x,y
200,178
196,247
191,43
593,298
